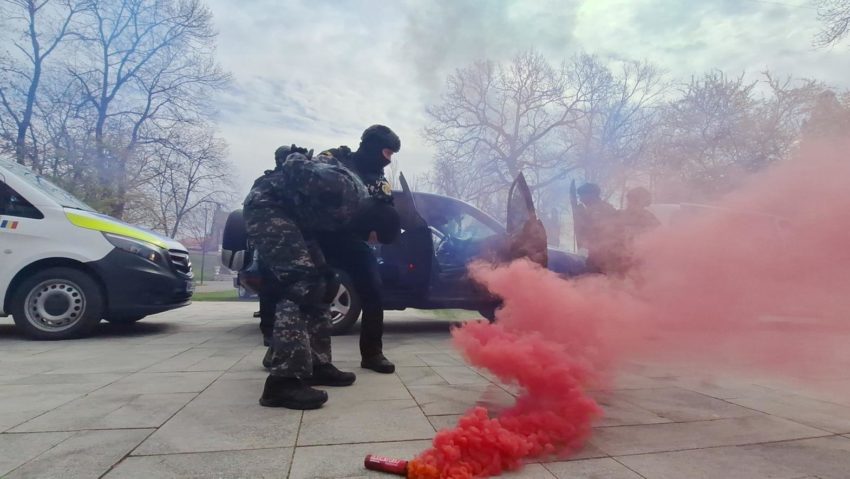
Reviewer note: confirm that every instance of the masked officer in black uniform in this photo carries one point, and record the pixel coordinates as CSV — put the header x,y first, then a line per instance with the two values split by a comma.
x,y
350,251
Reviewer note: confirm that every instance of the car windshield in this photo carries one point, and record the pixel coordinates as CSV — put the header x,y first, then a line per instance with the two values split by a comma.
x,y
457,219
44,185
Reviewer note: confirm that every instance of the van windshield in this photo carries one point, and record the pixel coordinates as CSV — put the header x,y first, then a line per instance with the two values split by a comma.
x,y
57,194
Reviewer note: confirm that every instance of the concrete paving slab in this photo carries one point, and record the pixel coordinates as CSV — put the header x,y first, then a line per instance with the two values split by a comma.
x,y
623,440
530,471
460,375
438,359
369,386
635,381
444,422
109,411
200,359
96,380
256,464
86,455
811,412
20,403
163,383
18,449
679,405
345,422
824,458
620,412
226,416
107,363
212,351
346,461
419,376
713,463
441,400
720,387
591,469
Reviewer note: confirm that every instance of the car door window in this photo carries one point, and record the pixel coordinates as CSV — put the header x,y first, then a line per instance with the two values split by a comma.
x,y
464,226
13,204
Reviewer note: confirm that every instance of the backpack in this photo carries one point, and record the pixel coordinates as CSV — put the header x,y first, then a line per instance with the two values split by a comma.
x,y
325,195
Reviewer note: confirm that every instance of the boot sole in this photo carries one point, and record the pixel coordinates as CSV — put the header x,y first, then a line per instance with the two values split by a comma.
x,y
300,406
379,370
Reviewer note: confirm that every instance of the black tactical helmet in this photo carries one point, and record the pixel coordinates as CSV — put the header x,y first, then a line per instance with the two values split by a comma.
x,y
282,152
378,137
589,190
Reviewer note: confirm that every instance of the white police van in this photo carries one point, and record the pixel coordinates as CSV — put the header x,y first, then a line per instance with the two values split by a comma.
x,y
64,267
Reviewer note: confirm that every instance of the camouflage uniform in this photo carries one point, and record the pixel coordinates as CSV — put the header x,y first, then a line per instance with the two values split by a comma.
x,y
283,209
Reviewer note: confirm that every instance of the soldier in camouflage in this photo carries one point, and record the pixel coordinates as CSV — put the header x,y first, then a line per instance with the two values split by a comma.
x,y
283,212
349,250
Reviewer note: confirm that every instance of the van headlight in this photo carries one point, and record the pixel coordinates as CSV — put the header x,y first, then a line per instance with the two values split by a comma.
x,y
148,251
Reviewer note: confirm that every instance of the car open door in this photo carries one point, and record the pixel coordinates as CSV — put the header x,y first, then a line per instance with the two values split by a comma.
x,y
526,234
406,263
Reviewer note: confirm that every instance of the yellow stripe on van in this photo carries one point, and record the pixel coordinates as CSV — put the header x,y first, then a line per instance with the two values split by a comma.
x,y
107,226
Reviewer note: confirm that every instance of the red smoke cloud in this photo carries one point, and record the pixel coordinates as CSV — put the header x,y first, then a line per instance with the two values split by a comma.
x,y
704,290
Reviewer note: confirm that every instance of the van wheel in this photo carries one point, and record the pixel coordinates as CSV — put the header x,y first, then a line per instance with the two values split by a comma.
x,y
57,303
130,319
345,308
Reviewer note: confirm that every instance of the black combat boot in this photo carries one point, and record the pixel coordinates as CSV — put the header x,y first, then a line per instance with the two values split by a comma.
x,y
267,359
291,393
329,375
378,363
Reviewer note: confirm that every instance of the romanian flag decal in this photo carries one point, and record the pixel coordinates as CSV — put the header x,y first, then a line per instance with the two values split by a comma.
x,y
8,225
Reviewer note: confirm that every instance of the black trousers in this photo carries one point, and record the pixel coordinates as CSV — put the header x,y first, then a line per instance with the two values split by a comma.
x,y
268,301
355,257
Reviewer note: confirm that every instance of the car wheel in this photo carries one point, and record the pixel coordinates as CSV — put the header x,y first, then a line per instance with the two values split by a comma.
x,y
58,303
345,307
130,319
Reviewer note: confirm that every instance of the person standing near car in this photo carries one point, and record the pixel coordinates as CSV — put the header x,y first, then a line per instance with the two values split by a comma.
x,y
351,252
282,212
268,296
636,220
598,229
636,217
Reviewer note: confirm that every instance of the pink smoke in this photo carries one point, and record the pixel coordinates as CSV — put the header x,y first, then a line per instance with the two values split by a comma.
x,y
704,290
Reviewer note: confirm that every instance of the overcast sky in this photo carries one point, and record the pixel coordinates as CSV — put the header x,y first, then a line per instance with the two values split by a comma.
x,y
317,72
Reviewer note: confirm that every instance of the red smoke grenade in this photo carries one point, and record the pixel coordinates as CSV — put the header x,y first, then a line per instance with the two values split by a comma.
x,y
386,464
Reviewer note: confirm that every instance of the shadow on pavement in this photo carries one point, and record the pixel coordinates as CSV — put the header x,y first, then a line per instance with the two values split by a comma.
x,y
106,329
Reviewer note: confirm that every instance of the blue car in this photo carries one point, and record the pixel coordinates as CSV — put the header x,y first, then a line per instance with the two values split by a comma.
x,y
425,268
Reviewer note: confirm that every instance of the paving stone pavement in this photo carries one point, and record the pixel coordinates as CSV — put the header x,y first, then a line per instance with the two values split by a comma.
x,y
175,396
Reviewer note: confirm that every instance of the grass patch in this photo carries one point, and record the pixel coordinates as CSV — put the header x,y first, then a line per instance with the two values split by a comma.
x,y
452,314
229,295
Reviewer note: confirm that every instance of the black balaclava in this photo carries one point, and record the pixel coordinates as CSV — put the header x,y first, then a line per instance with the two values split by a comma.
x,y
369,156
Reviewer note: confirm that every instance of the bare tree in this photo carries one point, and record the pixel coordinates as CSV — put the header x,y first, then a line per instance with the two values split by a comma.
x,y
495,121
44,25
621,112
835,16
146,67
189,171
721,129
